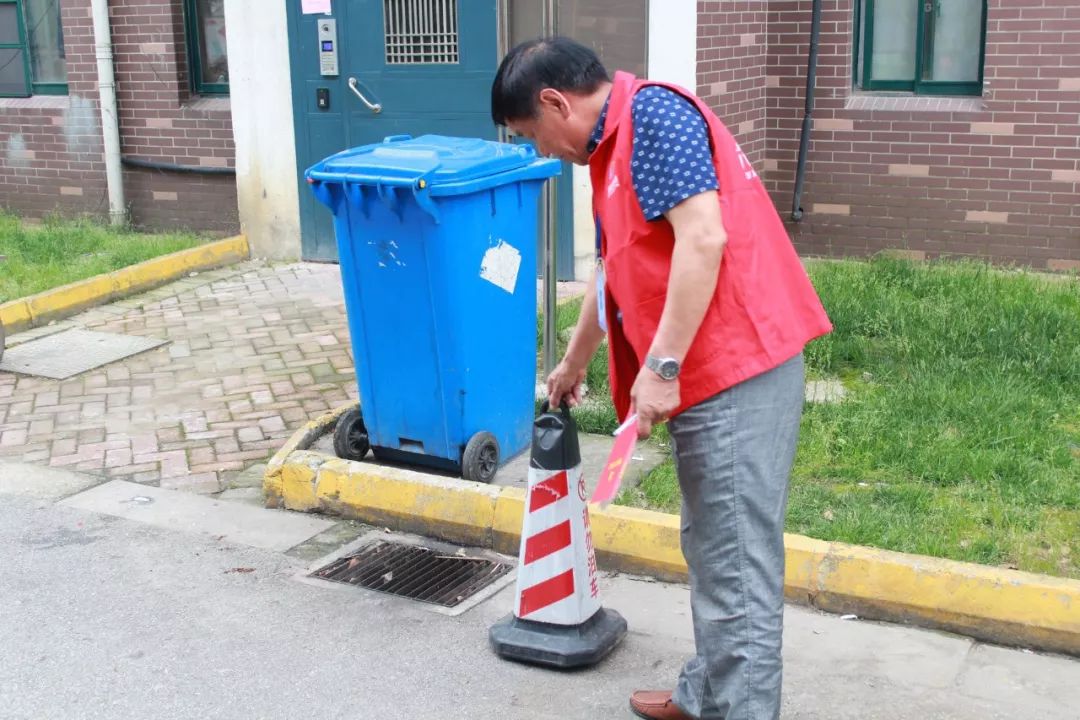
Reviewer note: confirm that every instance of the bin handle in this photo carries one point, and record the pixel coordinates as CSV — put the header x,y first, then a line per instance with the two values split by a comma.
x,y
363,178
385,187
564,408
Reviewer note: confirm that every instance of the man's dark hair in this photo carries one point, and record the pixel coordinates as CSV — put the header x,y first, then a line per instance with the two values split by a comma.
x,y
555,62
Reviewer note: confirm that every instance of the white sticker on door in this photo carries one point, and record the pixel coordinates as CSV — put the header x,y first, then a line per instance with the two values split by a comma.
x,y
315,7
501,265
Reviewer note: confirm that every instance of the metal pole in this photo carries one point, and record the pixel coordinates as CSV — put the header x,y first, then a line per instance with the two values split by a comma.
x,y
549,227
503,21
110,122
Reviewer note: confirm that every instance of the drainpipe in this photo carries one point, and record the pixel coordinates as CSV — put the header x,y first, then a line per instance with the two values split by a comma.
x,y
808,114
110,125
173,167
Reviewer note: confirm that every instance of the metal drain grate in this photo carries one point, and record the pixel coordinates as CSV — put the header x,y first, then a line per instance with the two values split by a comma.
x,y
414,572
73,352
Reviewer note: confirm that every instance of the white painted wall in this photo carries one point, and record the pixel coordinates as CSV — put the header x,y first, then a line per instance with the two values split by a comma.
x,y
260,91
672,58
673,42
584,227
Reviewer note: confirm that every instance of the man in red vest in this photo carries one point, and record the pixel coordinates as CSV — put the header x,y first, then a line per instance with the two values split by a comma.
x,y
707,309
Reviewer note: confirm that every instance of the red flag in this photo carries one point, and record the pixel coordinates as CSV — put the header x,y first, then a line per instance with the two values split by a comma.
x,y
617,463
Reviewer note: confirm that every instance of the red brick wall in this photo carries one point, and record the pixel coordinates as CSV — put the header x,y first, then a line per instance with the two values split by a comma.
x,y
732,53
993,177
159,121
51,147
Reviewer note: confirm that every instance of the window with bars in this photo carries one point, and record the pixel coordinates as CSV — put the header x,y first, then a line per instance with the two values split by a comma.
x,y
928,47
32,57
421,32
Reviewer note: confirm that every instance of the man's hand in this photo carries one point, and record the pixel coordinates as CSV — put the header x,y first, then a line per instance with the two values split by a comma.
x,y
654,399
564,383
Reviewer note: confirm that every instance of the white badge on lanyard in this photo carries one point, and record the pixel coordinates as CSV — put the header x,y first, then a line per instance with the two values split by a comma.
x,y
601,299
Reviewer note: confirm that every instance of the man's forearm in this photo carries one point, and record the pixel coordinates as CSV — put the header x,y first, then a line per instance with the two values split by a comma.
x,y
587,334
695,267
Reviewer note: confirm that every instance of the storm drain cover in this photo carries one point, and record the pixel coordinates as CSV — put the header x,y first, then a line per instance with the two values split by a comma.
x,y
415,572
72,352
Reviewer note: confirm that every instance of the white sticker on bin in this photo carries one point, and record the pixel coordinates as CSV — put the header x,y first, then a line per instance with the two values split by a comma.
x,y
501,265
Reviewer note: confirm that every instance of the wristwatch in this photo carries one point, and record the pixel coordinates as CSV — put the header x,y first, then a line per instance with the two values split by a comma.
x,y
667,368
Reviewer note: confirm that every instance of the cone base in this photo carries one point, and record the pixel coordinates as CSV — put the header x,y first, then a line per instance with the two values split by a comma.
x,y
558,646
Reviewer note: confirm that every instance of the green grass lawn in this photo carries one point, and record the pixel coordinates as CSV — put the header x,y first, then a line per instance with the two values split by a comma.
x,y
960,436
57,252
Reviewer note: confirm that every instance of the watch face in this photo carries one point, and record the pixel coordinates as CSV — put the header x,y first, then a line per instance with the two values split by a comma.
x,y
669,369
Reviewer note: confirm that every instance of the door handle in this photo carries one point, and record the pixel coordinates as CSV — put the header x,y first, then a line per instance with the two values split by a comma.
x,y
376,108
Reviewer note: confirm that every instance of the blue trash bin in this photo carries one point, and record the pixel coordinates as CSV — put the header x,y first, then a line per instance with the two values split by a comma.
x,y
437,243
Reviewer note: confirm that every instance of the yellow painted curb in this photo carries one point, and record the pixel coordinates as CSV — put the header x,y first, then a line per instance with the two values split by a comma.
x,y
506,522
273,484
15,314
993,604
638,541
68,299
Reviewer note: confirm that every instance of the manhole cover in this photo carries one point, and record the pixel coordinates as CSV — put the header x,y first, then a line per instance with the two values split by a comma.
x,y
70,353
415,572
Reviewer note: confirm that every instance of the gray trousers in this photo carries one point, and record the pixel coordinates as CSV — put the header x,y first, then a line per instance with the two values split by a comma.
x,y
733,454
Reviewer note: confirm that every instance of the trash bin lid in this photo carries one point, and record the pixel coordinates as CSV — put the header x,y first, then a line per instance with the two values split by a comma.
x,y
430,166
437,158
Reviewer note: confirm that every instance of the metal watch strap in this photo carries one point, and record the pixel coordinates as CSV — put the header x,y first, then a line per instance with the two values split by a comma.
x,y
657,364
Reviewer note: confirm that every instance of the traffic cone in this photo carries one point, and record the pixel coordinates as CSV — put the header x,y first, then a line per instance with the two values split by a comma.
x,y
557,620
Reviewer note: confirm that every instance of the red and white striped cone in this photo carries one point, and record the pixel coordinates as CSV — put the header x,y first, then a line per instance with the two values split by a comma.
x,y
558,620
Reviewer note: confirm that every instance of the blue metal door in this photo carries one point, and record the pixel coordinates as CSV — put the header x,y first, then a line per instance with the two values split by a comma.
x,y
404,67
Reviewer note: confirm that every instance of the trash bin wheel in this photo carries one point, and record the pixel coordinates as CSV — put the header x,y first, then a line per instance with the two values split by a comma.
x,y
351,436
480,460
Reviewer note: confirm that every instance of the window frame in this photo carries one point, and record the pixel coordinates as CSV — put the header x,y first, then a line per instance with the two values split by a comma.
x,y
20,46
30,87
194,54
864,36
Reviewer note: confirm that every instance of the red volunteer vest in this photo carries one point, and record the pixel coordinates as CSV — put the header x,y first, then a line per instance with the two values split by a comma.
x,y
764,310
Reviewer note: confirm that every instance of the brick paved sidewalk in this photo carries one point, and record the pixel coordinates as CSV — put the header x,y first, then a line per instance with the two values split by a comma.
x,y
255,351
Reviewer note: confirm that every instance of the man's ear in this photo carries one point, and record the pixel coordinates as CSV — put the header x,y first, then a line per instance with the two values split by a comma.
x,y
556,101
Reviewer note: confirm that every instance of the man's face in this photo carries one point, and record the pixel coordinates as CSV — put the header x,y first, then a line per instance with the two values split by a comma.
x,y
558,129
